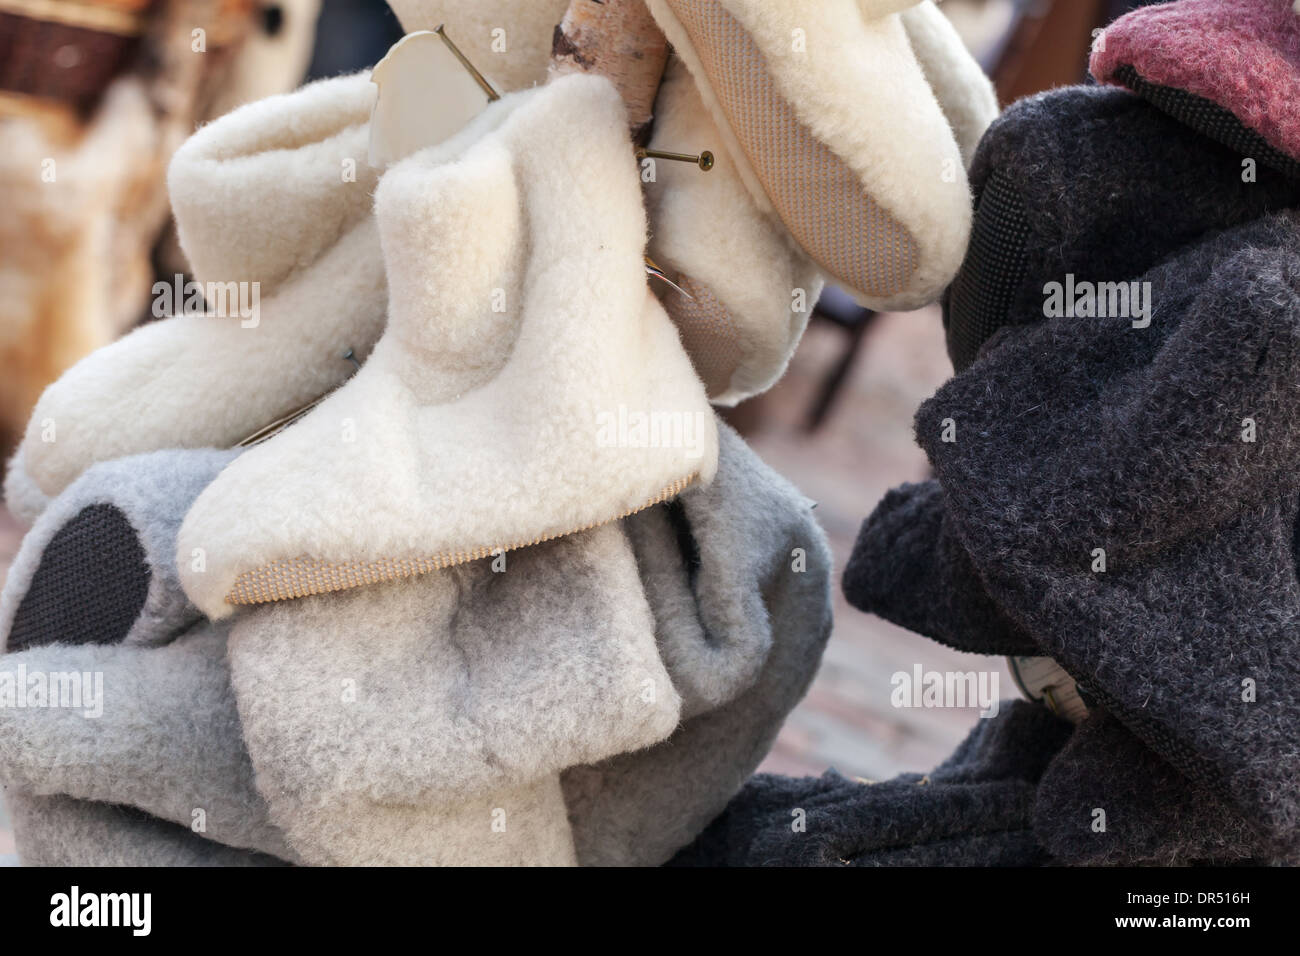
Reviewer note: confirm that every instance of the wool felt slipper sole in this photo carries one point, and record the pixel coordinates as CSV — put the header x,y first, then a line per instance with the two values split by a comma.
x,y
497,410
265,205
790,119
299,577
99,565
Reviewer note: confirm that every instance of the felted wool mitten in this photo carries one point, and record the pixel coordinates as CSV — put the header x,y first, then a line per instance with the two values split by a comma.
x,y
1125,496
528,382
1093,183
832,126
1228,68
273,204
975,809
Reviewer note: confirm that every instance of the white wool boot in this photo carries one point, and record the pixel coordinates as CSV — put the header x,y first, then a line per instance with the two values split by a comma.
x,y
751,288
834,129
964,93
528,385
275,198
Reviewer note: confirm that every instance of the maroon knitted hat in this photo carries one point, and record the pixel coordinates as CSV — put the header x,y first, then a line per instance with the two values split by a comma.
x,y
1229,68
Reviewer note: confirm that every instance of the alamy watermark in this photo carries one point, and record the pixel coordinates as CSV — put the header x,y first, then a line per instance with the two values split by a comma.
x,y
1098,300
70,690
209,300
628,428
934,689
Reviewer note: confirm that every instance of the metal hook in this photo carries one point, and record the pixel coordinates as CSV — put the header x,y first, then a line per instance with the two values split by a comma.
x,y
704,160
653,270
479,78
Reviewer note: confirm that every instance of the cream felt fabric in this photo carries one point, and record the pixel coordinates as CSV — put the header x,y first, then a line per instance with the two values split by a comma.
x,y
508,41
436,707
836,131
743,319
964,92
501,406
266,195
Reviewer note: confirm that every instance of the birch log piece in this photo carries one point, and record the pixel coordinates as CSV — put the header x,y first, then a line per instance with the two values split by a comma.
x,y
618,39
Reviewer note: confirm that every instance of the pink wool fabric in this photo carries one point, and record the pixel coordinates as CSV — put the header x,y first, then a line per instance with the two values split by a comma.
x,y
1243,55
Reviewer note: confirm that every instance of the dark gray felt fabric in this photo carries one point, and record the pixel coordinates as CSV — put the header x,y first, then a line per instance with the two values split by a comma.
x,y
1108,799
1073,435
1108,186
975,809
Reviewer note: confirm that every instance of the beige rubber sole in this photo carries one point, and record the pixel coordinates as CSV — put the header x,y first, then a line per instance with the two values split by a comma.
x,y
301,577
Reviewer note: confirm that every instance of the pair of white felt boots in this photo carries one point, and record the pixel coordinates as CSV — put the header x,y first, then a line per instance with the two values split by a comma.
x,y
521,381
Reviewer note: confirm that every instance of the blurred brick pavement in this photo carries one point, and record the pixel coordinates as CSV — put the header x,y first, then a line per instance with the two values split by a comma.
x,y
863,449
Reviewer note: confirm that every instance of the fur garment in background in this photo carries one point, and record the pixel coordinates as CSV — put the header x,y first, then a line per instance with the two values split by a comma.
x,y
733,578
1242,56
1094,182
974,809
81,179
265,195
1167,453
527,382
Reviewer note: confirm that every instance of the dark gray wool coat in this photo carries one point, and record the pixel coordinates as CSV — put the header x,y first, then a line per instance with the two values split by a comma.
x,y
1074,439
1124,500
